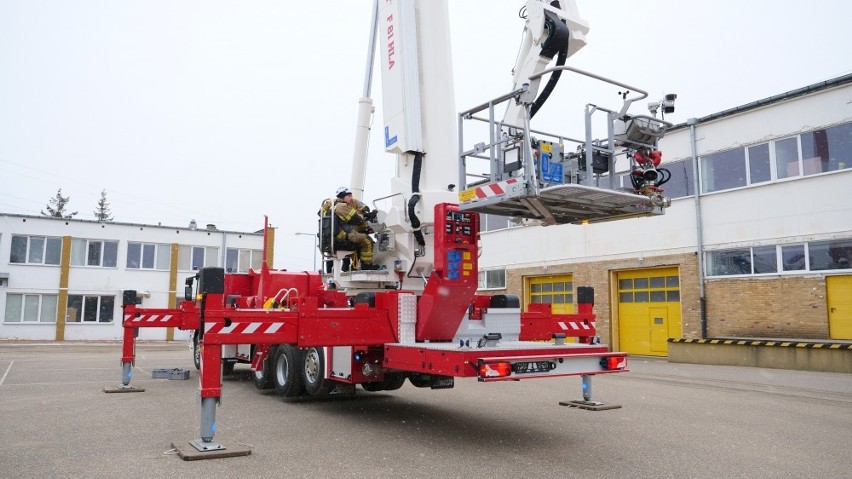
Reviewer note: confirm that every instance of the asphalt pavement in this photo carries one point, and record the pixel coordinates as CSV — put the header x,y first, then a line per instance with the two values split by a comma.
x,y
677,420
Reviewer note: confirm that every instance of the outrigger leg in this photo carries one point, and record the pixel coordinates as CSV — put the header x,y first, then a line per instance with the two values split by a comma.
x,y
210,383
587,402
128,352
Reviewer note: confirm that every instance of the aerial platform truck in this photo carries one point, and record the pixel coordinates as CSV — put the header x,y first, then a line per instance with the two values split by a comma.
x,y
418,318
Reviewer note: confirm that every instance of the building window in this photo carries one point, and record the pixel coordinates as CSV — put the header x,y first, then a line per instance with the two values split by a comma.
x,y
552,290
723,171
813,256
94,253
493,222
787,157
793,257
650,289
764,260
818,151
242,260
496,222
30,308
682,181
492,279
35,250
149,256
834,254
90,309
759,167
193,258
729,262
829,149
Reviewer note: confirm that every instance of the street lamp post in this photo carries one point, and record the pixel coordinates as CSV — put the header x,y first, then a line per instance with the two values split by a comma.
x,y
316,246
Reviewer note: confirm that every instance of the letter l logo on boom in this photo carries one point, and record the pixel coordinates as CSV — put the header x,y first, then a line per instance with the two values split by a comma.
x,y
389,140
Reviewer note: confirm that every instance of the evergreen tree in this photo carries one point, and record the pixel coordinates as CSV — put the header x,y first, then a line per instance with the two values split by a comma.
x,y
56,206
102,212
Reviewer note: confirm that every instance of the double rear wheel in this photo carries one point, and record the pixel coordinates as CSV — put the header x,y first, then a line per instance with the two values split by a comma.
x,y
286,374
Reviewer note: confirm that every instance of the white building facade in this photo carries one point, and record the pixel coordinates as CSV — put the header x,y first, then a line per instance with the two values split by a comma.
x,y
62,279
763,250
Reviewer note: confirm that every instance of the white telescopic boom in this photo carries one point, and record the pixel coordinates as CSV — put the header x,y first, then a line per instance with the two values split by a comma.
x,y
365,115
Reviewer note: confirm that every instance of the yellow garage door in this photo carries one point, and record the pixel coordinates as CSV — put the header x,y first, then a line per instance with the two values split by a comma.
x,y
839,293
558,291
648,310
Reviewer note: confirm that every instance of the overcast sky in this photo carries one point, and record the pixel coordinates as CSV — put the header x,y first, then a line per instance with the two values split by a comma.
x,y
223,111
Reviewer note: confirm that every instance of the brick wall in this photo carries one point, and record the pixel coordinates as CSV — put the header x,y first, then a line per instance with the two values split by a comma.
x,y
601,276
767,308
752,307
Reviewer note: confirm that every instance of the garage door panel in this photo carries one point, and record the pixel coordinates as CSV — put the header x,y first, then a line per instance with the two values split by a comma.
x,y
648,310
839,299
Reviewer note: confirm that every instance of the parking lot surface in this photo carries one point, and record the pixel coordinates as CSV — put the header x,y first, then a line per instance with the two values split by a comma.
x,y
677,420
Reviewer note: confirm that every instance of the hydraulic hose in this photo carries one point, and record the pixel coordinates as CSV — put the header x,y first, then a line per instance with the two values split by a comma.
x,y
415,197
551,83
557,42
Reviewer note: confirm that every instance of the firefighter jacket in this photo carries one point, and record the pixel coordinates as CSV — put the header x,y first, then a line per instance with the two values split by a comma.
x,y
350,216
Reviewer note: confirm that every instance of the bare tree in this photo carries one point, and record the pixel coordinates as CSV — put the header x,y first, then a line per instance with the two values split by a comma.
x,y
56,206
102,212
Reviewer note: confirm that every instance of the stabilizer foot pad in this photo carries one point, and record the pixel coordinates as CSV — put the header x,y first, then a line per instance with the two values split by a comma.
x,y
188,452
590,405
121,389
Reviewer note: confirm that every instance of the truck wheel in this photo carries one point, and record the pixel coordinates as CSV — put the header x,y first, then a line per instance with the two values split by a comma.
x,y
228,368
196,351
394,381
263,377
373,387
421,380
285,371
313,373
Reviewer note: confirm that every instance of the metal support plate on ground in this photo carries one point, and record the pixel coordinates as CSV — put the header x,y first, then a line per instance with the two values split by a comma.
x,y
590,405
123,389
189,452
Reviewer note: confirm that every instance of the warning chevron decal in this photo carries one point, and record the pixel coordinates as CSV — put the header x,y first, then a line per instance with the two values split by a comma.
x,y
487,191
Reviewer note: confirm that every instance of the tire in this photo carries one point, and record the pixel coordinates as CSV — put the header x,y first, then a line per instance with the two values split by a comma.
x,y
421,380
286,377
394,381
228,368
196,351
313,373
263,377
373,387
391,382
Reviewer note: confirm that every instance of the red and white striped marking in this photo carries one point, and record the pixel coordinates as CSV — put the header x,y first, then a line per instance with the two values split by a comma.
x,y
575,326
494,189
147,318
243,328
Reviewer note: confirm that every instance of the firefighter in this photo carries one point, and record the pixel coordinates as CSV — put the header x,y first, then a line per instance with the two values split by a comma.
x,y
351,225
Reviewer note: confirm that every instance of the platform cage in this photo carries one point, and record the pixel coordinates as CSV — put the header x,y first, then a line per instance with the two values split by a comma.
x,y
516,171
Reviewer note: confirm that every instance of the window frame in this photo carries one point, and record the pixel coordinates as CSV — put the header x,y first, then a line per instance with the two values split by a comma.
x,y
85,303
809,249
87,250
40,308
834,163
234,264
705,160
47,242
159,249
483,279
210,257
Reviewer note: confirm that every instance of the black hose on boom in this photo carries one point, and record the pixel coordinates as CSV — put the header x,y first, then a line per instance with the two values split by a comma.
x,y
556,43
551,83
415,197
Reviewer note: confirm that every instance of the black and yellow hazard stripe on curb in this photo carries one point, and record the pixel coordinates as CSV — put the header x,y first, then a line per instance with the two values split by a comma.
x,y
782,344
